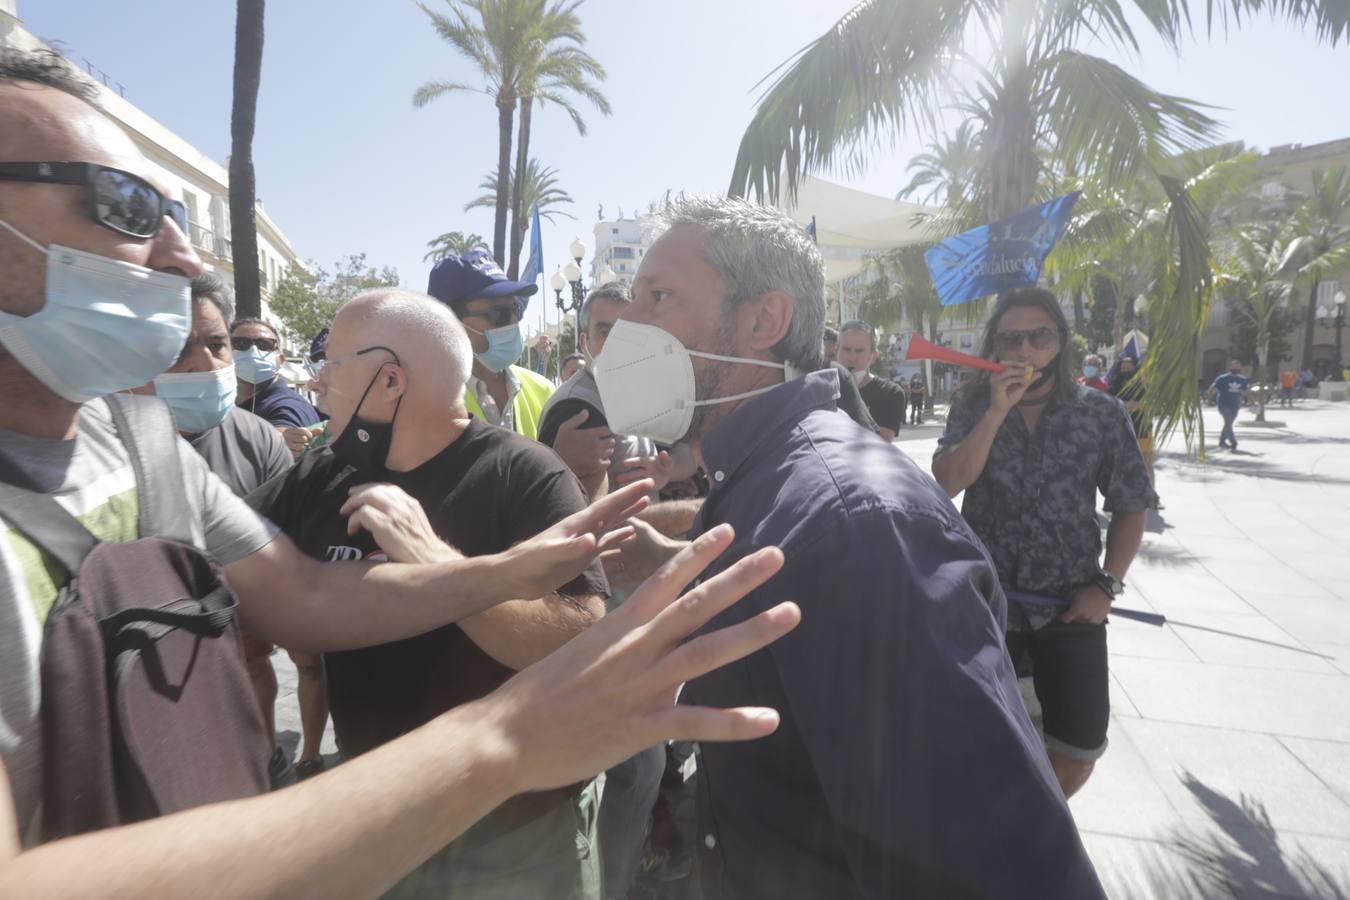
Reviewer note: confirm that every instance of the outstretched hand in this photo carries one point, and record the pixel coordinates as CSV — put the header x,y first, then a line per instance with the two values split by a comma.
x,y
550,559
610,692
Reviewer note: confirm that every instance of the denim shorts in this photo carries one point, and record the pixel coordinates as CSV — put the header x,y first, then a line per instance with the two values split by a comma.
x,y
1071,681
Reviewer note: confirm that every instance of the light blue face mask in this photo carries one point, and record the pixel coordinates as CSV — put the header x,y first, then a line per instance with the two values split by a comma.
x,y
1090,371
199,401
254,366
505,345
106,326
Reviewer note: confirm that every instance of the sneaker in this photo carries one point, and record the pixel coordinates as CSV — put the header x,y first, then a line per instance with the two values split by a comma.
x,y
308,768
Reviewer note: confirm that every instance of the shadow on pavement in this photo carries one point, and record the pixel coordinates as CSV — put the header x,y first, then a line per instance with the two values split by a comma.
x,y
1247,854
1246,463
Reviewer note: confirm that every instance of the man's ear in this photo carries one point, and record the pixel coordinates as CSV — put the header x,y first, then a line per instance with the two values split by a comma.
x,y
772,320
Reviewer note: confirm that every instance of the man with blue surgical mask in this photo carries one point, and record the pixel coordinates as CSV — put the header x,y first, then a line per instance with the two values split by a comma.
x,y
490,306
262,391
245,452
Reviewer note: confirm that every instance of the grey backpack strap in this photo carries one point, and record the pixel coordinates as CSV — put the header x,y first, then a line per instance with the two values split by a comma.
x,y
146,428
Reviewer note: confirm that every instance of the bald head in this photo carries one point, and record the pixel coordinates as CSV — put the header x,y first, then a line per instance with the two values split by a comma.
x,y
431,344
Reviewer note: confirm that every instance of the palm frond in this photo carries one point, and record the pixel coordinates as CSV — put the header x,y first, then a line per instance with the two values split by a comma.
x,y
871,76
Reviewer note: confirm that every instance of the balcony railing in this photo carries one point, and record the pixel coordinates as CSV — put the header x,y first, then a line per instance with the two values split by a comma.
x,y
205,239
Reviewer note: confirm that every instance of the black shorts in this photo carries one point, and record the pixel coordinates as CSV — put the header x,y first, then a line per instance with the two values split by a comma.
x,y
1070,677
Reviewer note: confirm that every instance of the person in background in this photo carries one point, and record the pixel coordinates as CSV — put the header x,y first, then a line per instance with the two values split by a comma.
x,y
572,365
885,399
1231,391
1288,381
1122,384
831,344
491,305
1092,374
262,390
1031,448
917,397
243,451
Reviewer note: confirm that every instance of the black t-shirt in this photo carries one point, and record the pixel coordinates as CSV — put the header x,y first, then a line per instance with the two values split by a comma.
x,y
886,401
488,490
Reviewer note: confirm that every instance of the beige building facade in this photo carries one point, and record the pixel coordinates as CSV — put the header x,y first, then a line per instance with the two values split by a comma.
x,y
201,183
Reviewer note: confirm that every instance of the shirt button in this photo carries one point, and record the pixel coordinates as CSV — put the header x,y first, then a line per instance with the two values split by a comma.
x,y
719,476
709,841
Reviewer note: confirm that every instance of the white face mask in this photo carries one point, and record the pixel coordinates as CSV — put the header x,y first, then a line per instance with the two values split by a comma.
x,y
646,381
107,325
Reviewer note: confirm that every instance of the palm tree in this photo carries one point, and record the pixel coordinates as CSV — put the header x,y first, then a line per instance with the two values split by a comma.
x,y
1259,282
248,49
539,188
525,50
557,69
453,243
876,75
1322,240
946,170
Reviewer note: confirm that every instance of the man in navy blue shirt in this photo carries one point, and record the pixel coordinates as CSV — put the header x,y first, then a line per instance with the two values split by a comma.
x,y
906,765
262,390
1231,389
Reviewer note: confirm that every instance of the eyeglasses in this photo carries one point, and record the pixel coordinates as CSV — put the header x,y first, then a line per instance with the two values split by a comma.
x,y
326,366
1040,339
126,203
243,344
499,316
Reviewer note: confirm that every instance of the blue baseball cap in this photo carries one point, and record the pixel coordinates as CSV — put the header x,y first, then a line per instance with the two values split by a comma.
x,y
456,279
318,348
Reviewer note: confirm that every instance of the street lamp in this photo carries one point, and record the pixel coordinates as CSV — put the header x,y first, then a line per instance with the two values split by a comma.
x,y
570,274
1334,317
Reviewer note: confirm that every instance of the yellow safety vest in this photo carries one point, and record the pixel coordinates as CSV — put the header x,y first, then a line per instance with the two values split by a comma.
x,y
526,406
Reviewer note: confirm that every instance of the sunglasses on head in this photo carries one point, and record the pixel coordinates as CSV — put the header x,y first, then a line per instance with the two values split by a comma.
x,y
1040,339
499,316
126,203
242,344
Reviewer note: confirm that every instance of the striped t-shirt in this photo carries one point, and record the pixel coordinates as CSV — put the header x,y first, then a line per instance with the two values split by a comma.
x,y
91,476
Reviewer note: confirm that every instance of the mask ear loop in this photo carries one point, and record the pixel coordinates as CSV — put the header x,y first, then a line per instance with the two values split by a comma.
x,y
23,237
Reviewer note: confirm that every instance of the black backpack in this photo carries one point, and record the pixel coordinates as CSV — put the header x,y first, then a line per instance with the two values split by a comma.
x,y
147,707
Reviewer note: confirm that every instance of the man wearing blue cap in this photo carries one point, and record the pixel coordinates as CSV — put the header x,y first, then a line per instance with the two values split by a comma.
x,y
490,306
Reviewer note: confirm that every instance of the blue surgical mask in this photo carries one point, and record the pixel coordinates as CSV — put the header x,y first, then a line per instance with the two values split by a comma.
x,y
106,326
505,345
1090,371
254,366
199,401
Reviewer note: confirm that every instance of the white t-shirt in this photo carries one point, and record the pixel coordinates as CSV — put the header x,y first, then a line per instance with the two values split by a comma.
x,y
91,476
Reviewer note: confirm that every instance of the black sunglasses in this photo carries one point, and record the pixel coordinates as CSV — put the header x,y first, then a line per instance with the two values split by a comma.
x,y
242,344
501,315
126,203
1039,338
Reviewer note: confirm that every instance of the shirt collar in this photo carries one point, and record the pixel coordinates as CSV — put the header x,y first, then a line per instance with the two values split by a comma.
x,y
733,440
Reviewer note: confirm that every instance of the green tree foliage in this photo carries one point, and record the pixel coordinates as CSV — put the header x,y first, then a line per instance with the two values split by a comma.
x,y
307,301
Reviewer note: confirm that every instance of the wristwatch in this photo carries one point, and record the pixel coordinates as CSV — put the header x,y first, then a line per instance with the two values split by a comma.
x,y
1109,583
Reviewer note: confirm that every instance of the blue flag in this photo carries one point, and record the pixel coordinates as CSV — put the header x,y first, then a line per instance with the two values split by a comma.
x,y
535,267
998,256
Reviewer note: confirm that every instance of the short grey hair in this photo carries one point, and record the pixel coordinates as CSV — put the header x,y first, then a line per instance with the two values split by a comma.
x,y
210,286
757,249
613,290
412,313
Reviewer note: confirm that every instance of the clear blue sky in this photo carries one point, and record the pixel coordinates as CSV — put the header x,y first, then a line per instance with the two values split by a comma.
x,y
345,164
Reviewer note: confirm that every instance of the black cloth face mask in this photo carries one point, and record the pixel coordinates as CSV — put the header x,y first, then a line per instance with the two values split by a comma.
x,y
363,444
